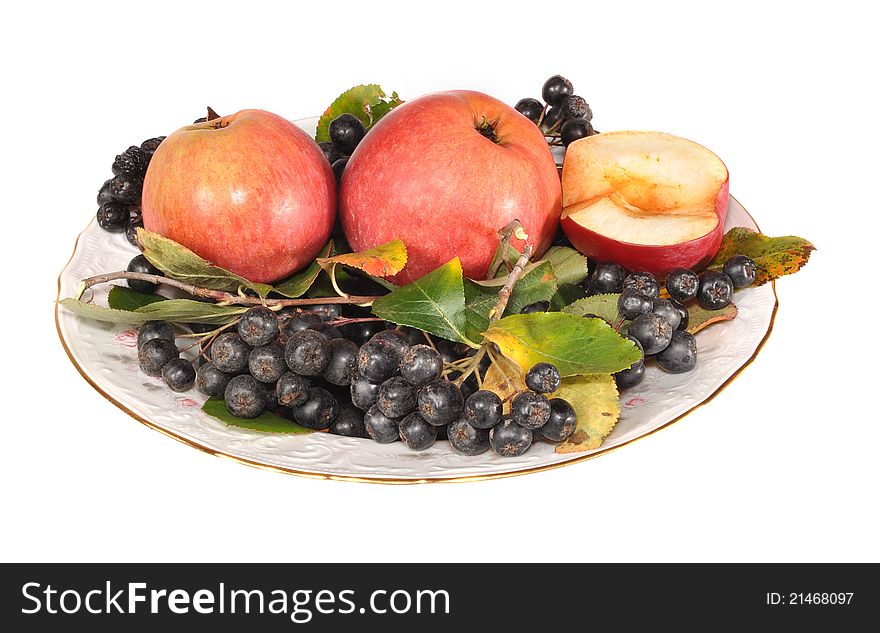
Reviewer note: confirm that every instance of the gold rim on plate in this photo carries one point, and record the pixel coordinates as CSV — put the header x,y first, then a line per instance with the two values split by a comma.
x,y
392,480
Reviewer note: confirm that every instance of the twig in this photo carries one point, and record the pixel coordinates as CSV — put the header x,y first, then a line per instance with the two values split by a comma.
x,y
506,234
504,295
218,295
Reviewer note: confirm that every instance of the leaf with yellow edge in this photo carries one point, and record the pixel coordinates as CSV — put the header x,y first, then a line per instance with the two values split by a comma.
x,y
774,256
574,344
505,378
385,260
596,401
699,318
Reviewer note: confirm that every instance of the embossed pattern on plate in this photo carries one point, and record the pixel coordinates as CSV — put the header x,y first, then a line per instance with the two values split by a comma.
x,y
106,356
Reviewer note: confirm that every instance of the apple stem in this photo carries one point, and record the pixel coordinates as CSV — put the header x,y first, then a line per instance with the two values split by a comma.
x,y
219,295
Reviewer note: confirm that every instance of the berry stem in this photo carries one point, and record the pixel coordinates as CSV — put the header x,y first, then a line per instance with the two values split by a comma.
x,y
514,276
218,295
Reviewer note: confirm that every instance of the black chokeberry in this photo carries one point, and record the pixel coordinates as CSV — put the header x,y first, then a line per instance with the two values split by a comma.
x,y
651,330
632,303
132,162
150,146
683,314
532,109
131,230
530,410
339,168
553,119
742,271
543,378
179,374
307,352
420,365
538,306
245,397
113,216
211,381
556,90
397,397
680,355
349,422
440,402
266,363
716,290
154,354
607,278
632,375
126,188
229,353
141,264
509,439
258,326
483,409
562,421
380,427
318,411
574,129
364,394
346,131
416,433
682,284
396,338
668,311
466,439
331,153
154,329
575,107
363,331
292,390
378,360
104,193
342,368
271,397
643,283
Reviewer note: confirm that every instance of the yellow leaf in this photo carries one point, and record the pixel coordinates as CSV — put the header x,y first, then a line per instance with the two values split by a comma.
x,y
384,260
596,401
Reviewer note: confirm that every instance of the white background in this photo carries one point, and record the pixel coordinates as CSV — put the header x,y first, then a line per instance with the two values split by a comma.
x,y
781,466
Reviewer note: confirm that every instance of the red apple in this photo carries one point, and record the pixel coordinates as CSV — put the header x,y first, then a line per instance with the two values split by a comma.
x,y
444,173
646,200
249,192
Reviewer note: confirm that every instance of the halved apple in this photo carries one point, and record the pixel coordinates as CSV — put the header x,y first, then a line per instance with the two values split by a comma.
x,y
646,200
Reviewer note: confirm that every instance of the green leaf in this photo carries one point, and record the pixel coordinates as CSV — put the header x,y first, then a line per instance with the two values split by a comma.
x,y
774,256
368,103
178,262
385,260
100,313
565,295
604,306
433,303
538,284
699,318
297,284
569,266
122,298
596,401
189,311
575,345
267,422
478,301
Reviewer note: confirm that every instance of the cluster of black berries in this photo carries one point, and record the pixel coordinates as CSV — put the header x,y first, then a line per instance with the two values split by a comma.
x,y
566,113
346,131
119,199
361,379
658,326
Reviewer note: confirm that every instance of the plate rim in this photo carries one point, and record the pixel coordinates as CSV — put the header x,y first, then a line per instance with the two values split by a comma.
x,y
398,480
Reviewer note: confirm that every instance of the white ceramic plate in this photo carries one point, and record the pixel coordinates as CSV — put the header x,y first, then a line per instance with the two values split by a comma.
x,y
106,356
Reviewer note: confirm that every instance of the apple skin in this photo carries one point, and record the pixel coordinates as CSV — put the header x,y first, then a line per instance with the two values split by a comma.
x,y
249,192
658,260
425,175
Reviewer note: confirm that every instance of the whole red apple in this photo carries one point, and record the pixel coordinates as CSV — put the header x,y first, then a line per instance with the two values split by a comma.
x,y
444,173
249,192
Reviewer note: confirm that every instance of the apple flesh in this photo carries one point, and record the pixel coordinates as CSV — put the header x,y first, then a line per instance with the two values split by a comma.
x,y
444,173
249,192
646,200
